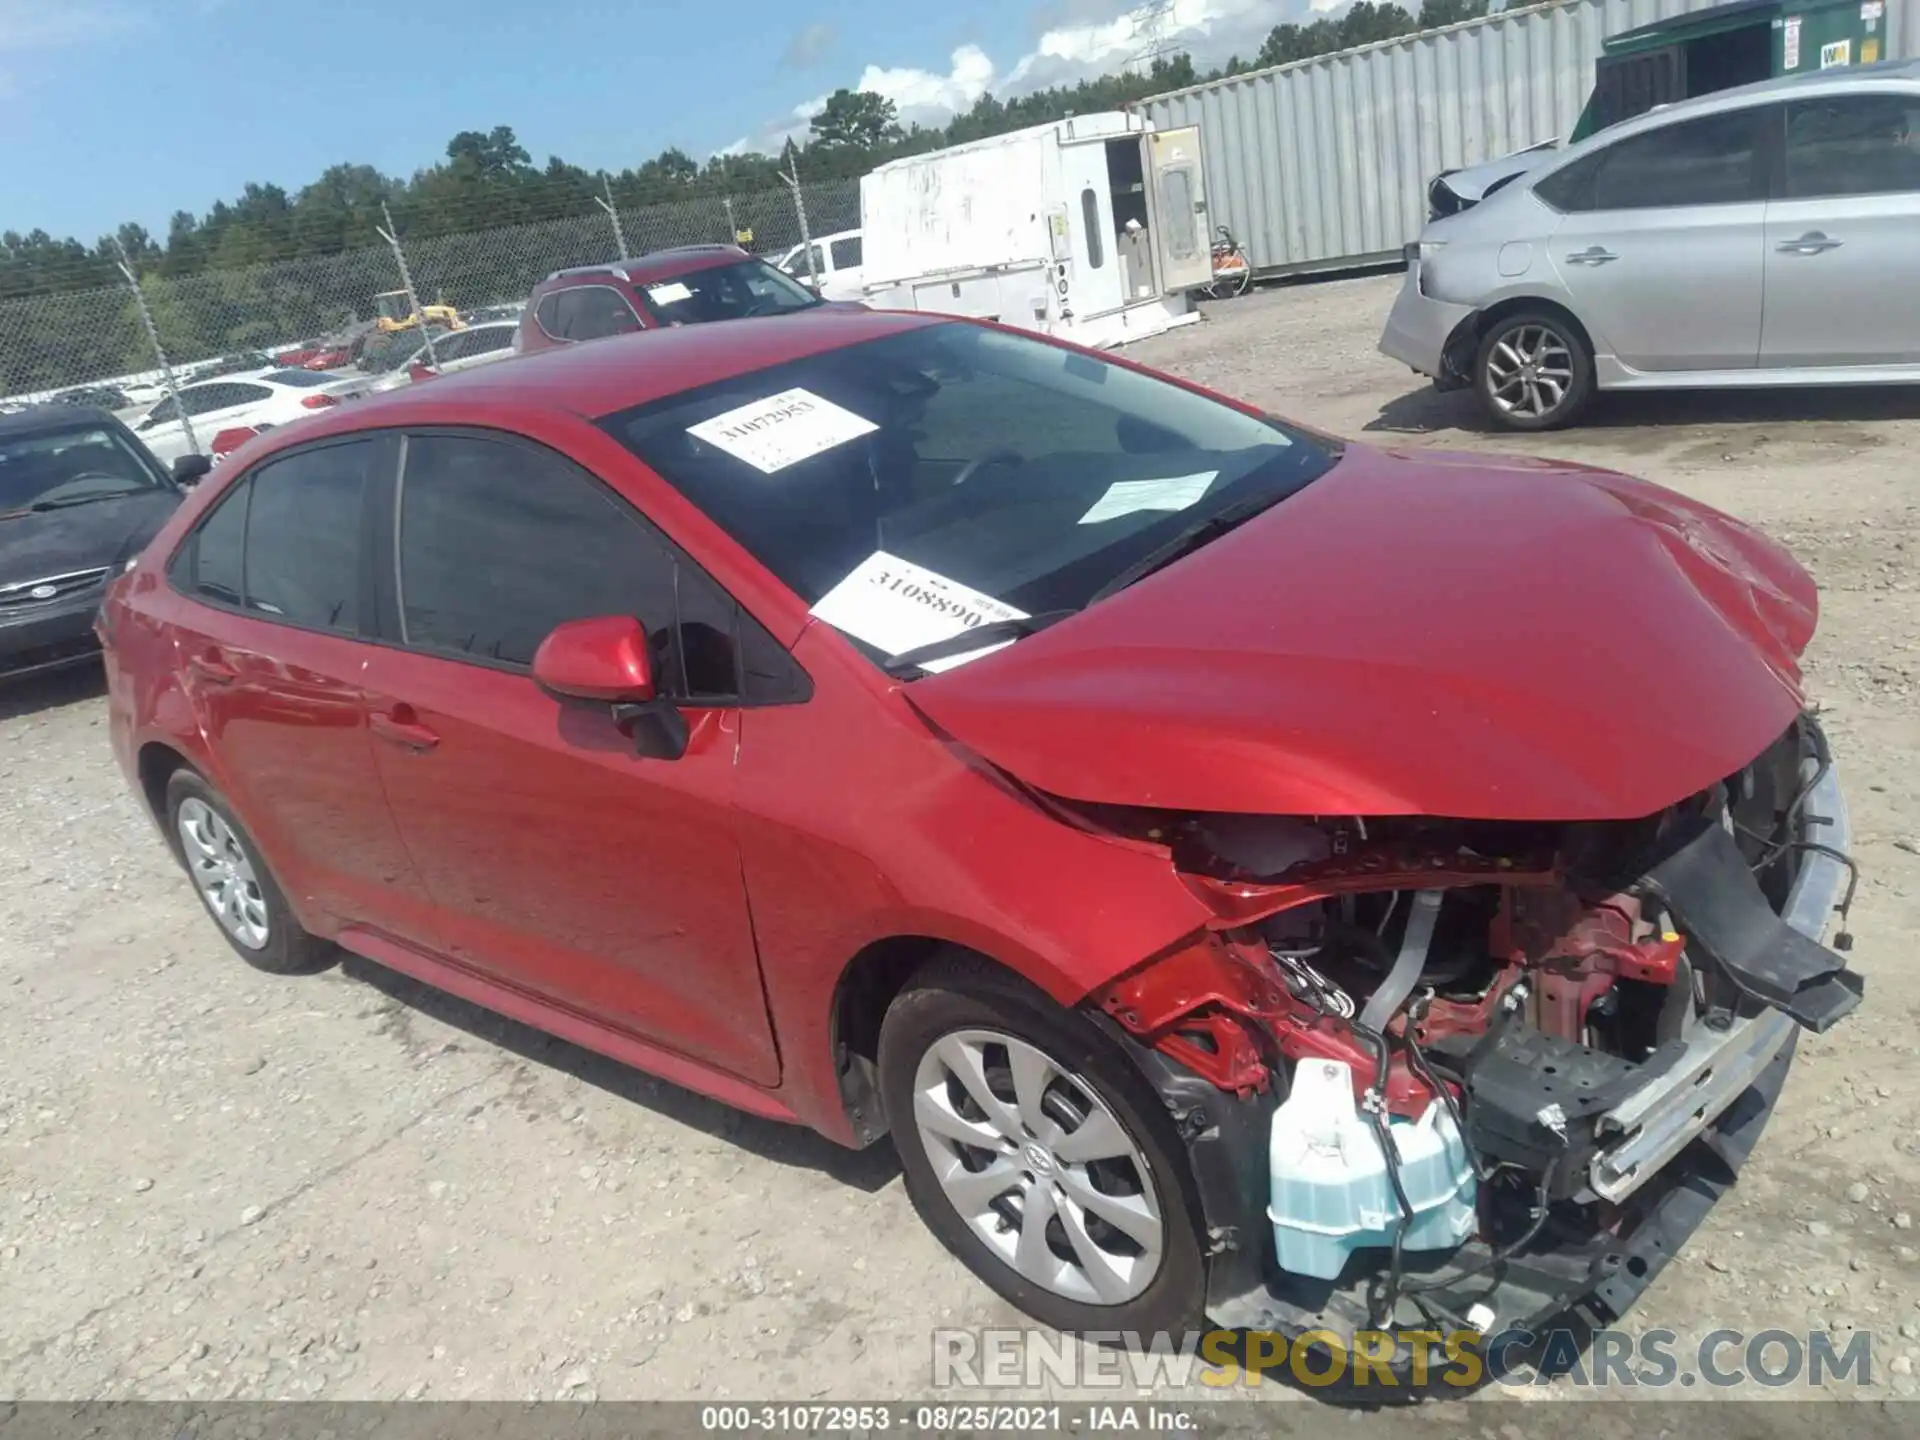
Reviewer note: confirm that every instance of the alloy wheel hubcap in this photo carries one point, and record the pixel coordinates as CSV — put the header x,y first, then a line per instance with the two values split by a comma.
x,y
1039,1167
223,874
1530,371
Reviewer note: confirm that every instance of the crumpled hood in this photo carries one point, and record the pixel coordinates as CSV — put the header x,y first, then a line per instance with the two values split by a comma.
x,y
82,537
1471,182
1414,633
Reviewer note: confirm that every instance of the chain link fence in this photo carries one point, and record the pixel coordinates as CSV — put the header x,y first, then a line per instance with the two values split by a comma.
x,y
93,341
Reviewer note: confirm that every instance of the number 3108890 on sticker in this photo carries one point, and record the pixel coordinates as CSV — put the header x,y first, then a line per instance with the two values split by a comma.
x,y
896,606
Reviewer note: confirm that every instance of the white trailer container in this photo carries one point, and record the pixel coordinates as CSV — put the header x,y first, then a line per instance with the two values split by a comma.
x,y
1093,228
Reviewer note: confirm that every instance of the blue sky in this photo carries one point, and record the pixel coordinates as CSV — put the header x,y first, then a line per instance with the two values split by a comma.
x,y
116,110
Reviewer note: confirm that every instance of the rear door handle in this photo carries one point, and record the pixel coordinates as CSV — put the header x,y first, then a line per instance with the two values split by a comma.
x,y
1811,243
402,729
212,669
1592,255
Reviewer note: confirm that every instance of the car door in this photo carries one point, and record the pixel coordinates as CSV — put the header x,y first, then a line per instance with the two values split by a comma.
x,y
1843,234
161,432
1661,248
561,862
164,433
273,599
238,402
478,346
807,264
846,266
213,406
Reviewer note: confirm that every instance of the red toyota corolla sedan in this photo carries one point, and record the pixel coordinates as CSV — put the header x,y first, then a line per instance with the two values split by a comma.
x,y
1247,873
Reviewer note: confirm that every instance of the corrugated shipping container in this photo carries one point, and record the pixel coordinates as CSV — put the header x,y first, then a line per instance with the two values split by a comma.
x,y
1324,164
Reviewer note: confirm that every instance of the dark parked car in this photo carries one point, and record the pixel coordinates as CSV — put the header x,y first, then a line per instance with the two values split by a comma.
x,y
244,363
100,397
79,497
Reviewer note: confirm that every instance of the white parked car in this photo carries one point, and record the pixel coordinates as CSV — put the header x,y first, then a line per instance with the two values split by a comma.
x,y
257,402
455,350
838,267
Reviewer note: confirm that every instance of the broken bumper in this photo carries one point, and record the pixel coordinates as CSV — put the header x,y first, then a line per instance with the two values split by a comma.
x,y
1682,1138
1658,1120
1419,327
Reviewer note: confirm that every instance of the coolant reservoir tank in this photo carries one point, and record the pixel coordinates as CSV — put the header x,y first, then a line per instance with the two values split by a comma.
x,y
1331,1193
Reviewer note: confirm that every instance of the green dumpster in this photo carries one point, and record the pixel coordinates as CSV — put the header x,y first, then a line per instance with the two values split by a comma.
x,y
1728,45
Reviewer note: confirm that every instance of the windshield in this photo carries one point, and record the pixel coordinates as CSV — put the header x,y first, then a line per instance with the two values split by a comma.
x,y
56,467
994,475
725,292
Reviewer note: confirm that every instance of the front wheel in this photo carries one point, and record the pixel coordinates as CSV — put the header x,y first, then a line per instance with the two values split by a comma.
x,y
1037,1154
1533,372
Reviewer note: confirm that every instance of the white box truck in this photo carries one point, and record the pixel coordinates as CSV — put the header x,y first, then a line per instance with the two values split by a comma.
x,y
1093,228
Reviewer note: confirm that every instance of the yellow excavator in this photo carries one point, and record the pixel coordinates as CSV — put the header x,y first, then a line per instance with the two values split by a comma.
x,y
395,314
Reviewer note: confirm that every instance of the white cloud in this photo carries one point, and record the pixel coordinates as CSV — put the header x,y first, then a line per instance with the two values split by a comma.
x,y
967,79
1093,37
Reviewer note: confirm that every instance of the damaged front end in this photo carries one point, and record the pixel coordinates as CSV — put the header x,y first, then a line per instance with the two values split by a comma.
x,y
1482,1075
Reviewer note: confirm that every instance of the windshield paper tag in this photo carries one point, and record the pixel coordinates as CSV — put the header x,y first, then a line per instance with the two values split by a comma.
x,y
782,429
666,294
1126,497
896,606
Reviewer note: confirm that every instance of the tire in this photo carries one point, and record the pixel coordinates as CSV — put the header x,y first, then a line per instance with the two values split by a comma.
x,y
1523,360
233,882
959,1010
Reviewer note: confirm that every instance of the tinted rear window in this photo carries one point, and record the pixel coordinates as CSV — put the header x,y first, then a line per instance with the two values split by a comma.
x,y
304,539
1854,145
1715,160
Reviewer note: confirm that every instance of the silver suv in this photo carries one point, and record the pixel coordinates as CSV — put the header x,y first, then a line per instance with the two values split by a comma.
x,y
1768,235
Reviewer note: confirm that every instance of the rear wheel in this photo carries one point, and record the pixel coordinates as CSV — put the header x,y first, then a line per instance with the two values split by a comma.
x,y
233,882
1037,1154
1533,371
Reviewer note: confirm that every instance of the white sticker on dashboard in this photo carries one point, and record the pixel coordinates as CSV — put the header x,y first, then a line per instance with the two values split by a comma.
x,y
782,429
1128,497
896,606
668,293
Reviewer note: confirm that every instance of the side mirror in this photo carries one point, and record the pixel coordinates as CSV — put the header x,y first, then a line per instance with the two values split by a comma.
x,y
607,659
600,659
191,469
421,372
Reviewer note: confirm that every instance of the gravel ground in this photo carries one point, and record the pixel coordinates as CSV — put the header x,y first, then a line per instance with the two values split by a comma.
x,y
218,1184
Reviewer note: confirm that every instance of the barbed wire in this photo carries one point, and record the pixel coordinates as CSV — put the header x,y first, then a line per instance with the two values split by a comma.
x,y
454,217
66,339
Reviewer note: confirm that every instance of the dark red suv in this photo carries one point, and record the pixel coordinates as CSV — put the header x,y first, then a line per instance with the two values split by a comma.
x,y
1174,825
685,286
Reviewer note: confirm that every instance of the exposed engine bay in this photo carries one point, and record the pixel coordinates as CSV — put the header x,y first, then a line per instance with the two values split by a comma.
x,y
1477,1051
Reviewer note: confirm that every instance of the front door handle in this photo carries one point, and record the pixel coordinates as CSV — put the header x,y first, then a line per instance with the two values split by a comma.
x,y
1811,243
400,727
1592,255
212,670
